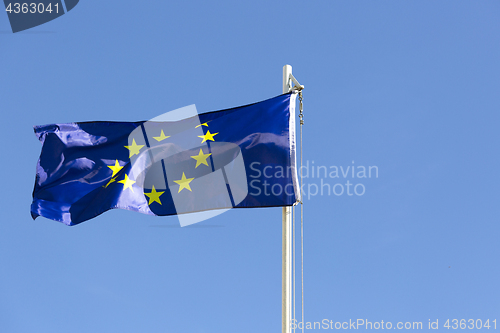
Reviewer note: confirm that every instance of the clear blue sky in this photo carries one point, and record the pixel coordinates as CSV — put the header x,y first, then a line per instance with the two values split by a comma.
x,y
411,87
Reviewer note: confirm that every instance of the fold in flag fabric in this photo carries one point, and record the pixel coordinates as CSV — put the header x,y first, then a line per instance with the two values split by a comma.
x,y
242,157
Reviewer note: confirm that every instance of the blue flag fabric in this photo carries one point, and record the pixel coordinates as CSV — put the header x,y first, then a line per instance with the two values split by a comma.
x,y
242,157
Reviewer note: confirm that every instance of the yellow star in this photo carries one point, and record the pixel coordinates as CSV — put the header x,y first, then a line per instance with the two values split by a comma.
x,y
184,183
208,136
154,196
201,158
127,183
134,148
116,168
161,137
204,124
110,181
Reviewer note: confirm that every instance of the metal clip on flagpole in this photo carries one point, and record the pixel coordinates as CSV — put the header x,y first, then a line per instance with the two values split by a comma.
x,y
288,78
286,283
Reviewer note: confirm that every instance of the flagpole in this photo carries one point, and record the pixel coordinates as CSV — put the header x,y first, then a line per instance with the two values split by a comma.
x,y
286,269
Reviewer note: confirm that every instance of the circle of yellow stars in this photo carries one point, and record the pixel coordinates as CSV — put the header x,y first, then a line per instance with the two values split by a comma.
x,y
154,195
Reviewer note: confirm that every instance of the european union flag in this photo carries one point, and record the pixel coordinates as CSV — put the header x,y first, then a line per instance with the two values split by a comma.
x,y
242,157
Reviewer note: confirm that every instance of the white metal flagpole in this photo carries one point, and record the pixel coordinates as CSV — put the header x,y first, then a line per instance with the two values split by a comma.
x,y
286,272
